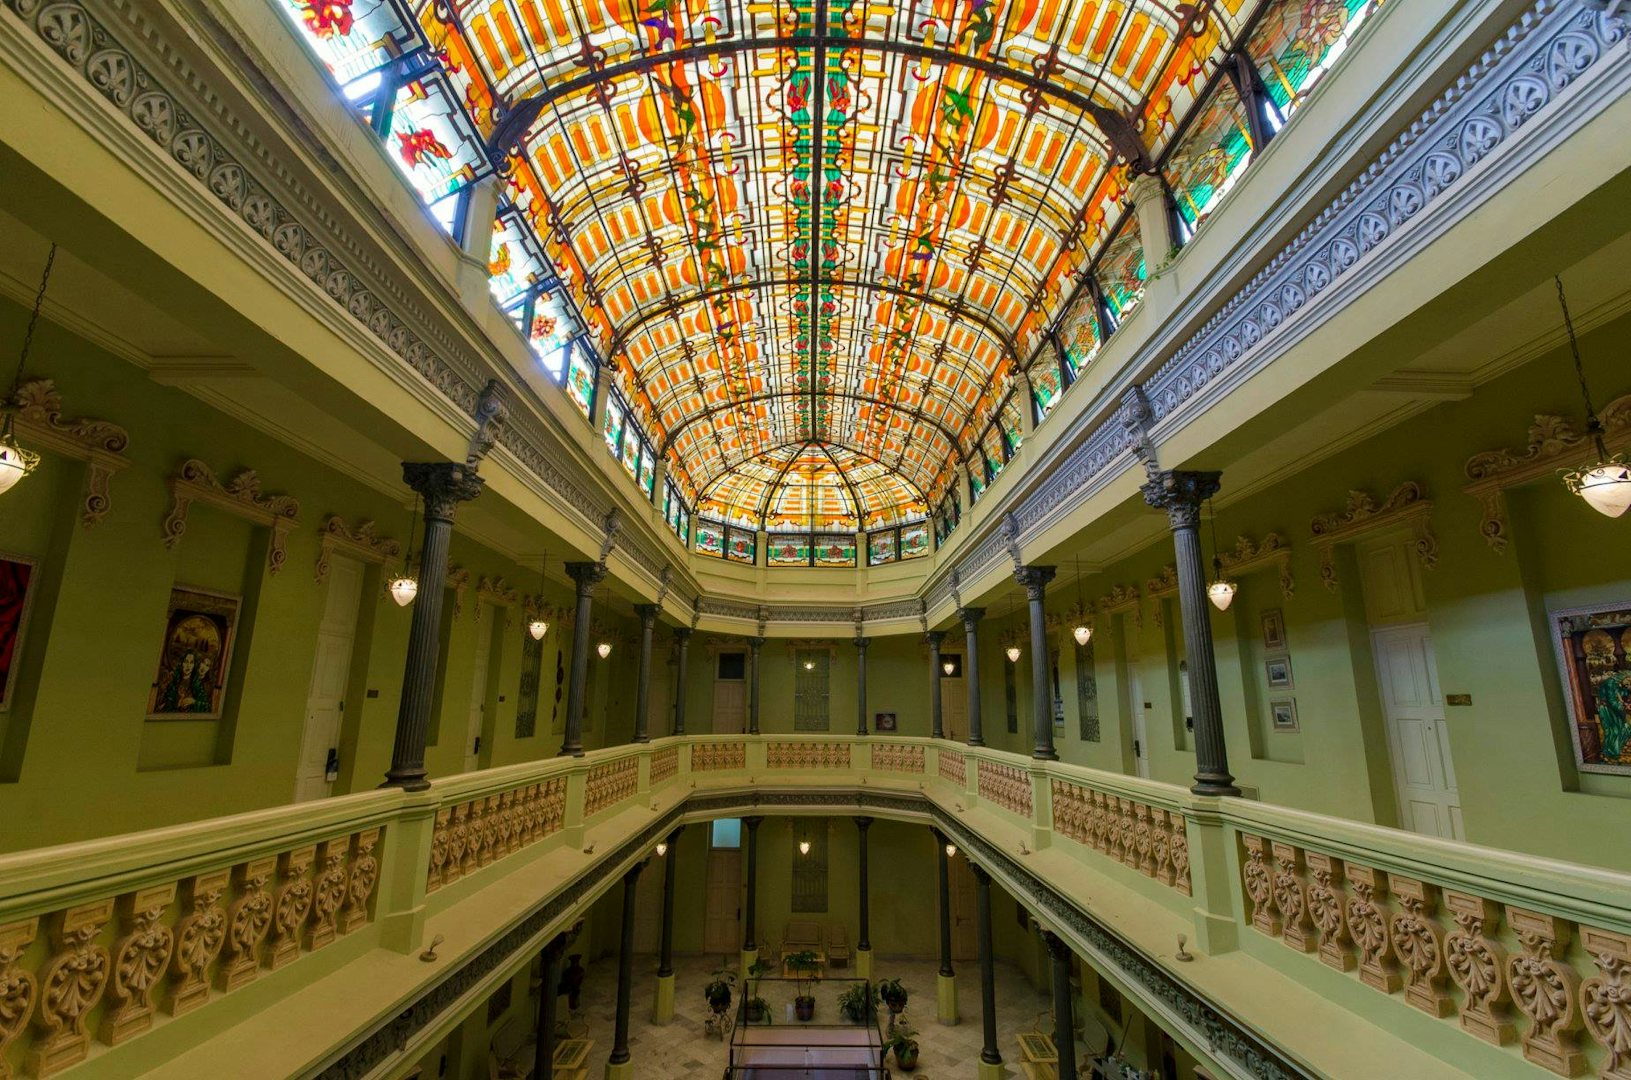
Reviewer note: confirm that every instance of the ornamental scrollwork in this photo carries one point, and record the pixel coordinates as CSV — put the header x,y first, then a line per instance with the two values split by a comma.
x,y
1406,505
101,444
140,957
240,496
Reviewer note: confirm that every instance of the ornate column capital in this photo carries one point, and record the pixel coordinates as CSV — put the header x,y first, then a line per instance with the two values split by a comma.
x,y
587,575
863,823
492,409
982,876
971,616
647,613
756,643
861,643
442,484
753,822
1058,948
1035,579
934,637
682,634
1180,493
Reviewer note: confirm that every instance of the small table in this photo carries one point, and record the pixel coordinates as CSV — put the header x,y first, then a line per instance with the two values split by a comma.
x,y
572,1059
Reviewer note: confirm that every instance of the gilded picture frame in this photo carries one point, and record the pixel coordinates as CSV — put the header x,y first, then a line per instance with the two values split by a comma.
x,y
195,656
1593,649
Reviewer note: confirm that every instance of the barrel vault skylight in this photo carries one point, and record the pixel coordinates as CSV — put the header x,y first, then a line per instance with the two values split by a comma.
x,y
810,238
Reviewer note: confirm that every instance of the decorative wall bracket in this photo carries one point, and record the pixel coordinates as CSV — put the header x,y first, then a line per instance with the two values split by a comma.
x,y
798,645
362,543
1123,599
1554,445
1250,557
1161,587
100,444
498,592
241,497
458,579
1408,506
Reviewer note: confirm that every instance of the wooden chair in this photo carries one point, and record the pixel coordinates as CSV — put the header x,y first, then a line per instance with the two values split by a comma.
x,y
838,950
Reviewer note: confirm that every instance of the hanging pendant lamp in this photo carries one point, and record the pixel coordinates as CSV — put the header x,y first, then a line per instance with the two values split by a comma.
x,y
15,461
1606,486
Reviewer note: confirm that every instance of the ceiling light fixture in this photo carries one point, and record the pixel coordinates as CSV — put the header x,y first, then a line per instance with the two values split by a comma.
x,y
604,649
951,851
1606,486
404,587
662,848
1083,630
948,666
804,847
15,462
1221,591
539,626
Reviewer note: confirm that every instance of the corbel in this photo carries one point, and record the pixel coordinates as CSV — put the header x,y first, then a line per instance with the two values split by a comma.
x,y
362,543
241,497
1408,505
100,444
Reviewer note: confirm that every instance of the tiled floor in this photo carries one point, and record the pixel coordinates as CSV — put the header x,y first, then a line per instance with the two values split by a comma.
x,y
681,1050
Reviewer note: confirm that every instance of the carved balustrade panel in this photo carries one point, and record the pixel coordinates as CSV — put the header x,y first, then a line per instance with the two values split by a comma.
x,y
1148,838
1555,990
806,755
897,757
1007,786
954,767
103,971
721,756
664,764
610,784
478,832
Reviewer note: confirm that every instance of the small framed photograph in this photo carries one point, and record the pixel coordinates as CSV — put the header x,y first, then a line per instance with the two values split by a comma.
x,y
1274,630
883,722
1278,669
1283,714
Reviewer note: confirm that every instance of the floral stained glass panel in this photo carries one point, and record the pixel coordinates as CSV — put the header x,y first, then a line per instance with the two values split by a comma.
x,y
1212,154
1297,42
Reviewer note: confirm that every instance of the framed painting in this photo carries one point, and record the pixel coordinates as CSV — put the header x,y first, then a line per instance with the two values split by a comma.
x,y
199,632
1274,630
1278,671
17,576
1594,651
1283,714
883,722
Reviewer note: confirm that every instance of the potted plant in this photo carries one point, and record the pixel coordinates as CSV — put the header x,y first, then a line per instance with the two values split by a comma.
x,y
903,1041
758,1010
894,995
858,1002
718,991
803,965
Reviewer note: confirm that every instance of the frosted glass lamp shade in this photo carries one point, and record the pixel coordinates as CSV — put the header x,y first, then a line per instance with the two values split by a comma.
x,y
403,590
1221,593
1083,634
1606,487
1013,653
604,649
538,628
15,462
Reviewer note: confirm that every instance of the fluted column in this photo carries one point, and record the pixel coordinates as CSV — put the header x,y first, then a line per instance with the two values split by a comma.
x,y
1064,1018
750,921
971,671
946,981
863,942
442,486
860,685
549,965
663,1008
682,634
754,645
990,1056
936,725
617,1065
1181,494
1035,579
642,688
587,575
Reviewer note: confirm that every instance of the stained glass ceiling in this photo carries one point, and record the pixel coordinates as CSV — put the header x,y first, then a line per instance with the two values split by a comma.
x,y
792,226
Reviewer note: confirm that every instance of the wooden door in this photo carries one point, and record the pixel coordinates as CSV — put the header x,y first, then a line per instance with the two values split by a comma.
x,y
954,704
730,706
964,912
1418,738
331,671
722,920
486,614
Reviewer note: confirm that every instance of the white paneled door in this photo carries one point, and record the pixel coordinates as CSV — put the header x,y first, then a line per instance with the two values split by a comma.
x,y
331,670
1418,738
486,615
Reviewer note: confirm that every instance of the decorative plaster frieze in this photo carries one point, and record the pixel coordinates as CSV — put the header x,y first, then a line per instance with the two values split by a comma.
x,y
362,543
100,444
241,497
1273,552
1407,506
1555,444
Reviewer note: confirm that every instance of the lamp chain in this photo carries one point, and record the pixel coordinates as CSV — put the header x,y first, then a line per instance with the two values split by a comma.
x,y
1594,426
33,318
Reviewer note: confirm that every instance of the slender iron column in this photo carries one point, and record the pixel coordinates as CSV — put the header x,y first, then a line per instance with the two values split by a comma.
x,y
443,485
671,872
988,972
1064,1020
944,863
682,634
1035,579
642,689
625,967
936,727
549,963
754,645
749,923
587,575
971,671
860,685
1180,494
862,824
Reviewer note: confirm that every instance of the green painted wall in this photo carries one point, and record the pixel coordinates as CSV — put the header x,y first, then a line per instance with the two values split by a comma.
x,y
77,757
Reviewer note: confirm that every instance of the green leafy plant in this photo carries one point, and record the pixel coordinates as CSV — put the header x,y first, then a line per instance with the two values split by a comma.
x,y
857,1003
758,1009
894,994
902,1041
803,965
719,989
